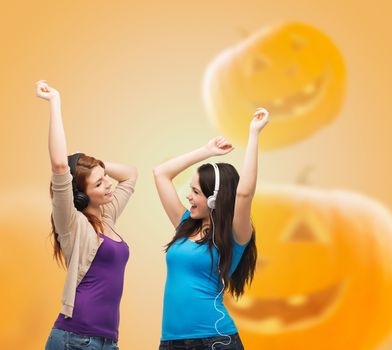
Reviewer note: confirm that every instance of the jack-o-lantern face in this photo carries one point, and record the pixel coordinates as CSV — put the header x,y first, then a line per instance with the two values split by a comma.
x,y
293,70
324,272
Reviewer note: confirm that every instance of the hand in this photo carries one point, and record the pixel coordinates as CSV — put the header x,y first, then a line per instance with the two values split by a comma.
x,y
260,119
219,146
45,91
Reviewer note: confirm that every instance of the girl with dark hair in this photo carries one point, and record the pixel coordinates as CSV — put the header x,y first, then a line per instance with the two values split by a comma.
x,y
84,213
213,249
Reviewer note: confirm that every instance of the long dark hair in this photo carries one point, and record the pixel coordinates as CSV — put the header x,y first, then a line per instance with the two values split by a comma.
x,y
222,216
83,170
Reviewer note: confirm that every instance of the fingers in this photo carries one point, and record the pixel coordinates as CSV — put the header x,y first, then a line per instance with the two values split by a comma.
x,y
261,113
226,149
221,142
42,86
41,83
225,145
43,90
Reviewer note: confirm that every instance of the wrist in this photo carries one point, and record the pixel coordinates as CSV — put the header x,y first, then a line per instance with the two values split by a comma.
x,y
254,133
208,152
55,100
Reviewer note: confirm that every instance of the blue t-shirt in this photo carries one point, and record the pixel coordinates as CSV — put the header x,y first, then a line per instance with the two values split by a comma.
x,y
191,288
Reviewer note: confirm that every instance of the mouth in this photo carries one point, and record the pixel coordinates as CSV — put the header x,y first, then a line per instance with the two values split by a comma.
x,y
193,207
298,103
109,194
276,315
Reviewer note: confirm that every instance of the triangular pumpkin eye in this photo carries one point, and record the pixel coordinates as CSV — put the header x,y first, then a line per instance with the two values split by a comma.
x,y
306,228
298,42
255,64
302,232
261,62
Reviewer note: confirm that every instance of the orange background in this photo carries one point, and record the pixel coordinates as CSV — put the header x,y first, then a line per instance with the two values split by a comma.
x,y
130,76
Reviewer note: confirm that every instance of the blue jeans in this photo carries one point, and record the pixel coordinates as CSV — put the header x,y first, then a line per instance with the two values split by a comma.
x,y
203,343
63,340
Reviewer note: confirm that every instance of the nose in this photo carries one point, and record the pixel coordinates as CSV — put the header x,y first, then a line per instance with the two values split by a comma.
x,y
108,183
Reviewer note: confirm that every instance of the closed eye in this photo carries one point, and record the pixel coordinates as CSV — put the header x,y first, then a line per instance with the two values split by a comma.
x,y
194,190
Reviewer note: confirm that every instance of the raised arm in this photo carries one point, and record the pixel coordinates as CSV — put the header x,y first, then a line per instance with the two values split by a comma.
x,y
242,226
126,175
64,211
166,172
121,172
57,143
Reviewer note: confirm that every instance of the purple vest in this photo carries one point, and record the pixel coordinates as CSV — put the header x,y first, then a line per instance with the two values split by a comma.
x,y
97,301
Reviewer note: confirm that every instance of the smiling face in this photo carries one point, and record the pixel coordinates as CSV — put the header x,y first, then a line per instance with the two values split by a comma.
x,y
197,200
323,261
98,187
293,70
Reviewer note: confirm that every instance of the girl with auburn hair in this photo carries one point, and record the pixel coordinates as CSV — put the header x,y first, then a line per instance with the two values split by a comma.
x,y
84,212
213,249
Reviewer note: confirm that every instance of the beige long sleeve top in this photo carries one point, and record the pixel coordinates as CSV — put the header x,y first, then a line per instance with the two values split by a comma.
x,y
78,240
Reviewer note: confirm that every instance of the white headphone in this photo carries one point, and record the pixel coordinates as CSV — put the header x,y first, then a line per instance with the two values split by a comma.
x,y
212,199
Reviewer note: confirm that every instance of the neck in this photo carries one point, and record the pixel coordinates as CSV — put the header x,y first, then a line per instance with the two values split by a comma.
x,y
96,211
206,223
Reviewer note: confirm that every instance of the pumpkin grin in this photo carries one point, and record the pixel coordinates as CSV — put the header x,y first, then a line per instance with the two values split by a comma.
x,y
298,103
275,314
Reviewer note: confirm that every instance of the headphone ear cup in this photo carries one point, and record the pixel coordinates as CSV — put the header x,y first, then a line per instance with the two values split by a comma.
x,y
81,200
211,202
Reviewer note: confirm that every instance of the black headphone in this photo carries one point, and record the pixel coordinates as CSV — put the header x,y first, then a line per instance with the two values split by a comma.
x,y
81,199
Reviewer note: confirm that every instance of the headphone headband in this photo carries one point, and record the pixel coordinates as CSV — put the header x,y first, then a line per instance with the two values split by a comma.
x,y
217,178
73,161
212,199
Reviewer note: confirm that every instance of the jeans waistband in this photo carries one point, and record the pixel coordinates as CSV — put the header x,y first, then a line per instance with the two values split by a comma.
x,y
102,339
200,341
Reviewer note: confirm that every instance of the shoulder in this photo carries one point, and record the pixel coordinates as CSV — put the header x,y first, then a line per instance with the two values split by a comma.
x,y
185,216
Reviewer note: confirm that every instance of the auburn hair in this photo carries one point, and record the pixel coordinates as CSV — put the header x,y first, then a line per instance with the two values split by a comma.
x,y
83,170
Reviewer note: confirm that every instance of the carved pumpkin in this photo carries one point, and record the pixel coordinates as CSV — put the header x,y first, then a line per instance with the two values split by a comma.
x,y
324,273
293,70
